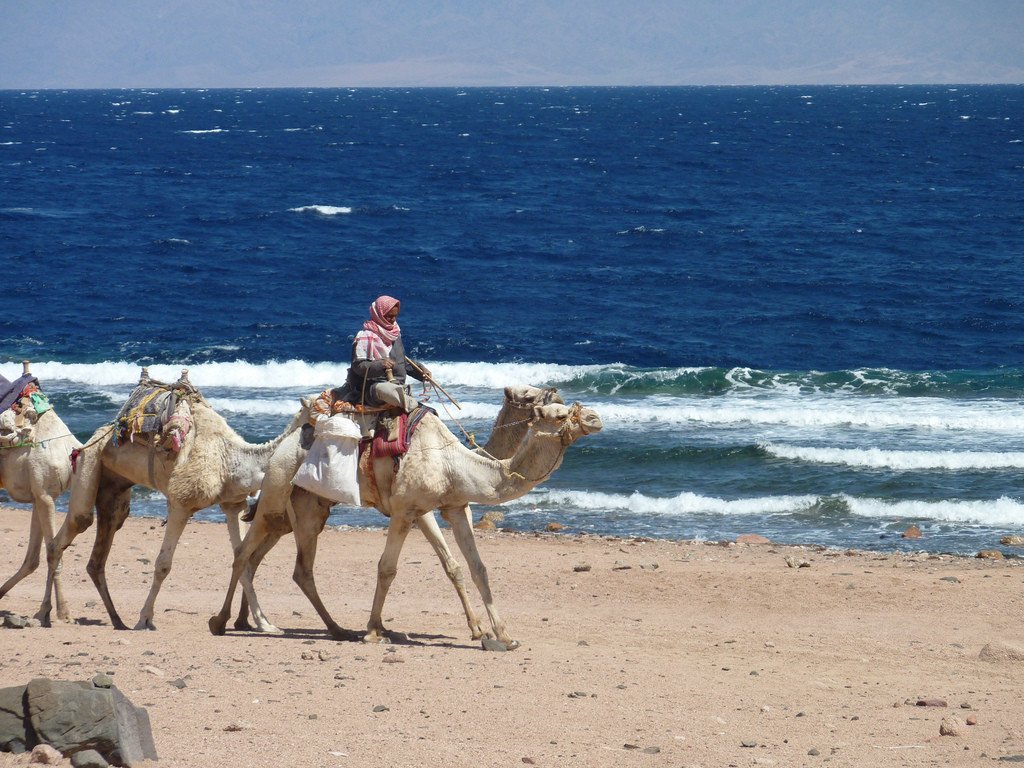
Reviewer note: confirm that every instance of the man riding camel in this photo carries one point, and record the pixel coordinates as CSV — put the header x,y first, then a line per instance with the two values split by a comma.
x,y
379,365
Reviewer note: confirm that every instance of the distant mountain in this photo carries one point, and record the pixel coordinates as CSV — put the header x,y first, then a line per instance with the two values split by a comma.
x,y
239,43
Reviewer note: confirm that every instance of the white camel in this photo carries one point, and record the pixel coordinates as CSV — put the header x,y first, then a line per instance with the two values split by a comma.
x,y
438,472
272,521
214,466
37,474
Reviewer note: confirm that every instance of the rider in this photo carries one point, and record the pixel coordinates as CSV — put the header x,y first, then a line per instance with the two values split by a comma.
x,y
379,365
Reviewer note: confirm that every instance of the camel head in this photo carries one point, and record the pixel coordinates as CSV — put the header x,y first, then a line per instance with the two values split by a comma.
x,y
526,397
570,423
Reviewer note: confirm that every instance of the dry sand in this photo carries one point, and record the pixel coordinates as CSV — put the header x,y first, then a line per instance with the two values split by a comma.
x,y
662,654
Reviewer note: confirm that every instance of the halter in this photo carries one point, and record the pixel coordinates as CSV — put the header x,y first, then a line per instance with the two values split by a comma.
x,y
572,420
565,437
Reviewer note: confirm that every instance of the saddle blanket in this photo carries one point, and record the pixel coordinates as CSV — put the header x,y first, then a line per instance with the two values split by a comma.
x,y
151,410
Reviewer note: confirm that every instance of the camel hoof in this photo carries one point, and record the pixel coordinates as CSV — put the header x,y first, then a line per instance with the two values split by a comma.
x,y
376,637
347,635
491,644
216,625
269,629
146,625
243,625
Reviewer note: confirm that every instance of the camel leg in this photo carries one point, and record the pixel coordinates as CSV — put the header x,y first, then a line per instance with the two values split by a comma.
x,y
31,561
177,517
40,530
249,602
47,522
428,524
387,568
308,513
112,507
232,513
245,555
73,525
461,521
32,554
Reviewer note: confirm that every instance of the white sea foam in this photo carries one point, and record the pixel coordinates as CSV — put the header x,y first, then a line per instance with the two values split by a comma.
x,y
817,413
323,210
208,130
900,460
1003,511
471,411
764,411
238,374
498,375
685,503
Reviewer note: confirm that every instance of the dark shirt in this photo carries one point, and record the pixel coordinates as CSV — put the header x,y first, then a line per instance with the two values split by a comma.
x,y
363,374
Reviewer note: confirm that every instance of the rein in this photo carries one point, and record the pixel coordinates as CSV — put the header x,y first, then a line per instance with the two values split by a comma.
x,y
549,394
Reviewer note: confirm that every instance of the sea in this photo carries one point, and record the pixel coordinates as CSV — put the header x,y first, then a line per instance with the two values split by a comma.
x,y
799,311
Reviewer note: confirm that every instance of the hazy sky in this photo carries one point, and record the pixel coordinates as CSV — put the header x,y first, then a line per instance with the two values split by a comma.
x,y
233,43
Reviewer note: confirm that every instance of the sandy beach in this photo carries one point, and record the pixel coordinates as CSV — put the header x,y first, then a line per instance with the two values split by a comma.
x,y
634,652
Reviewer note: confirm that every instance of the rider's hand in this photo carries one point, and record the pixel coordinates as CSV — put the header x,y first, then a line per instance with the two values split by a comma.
x,y
388,363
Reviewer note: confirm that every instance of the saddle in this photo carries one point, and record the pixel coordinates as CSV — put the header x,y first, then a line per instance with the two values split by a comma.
x,y
23,403
155,411
389,436
391,429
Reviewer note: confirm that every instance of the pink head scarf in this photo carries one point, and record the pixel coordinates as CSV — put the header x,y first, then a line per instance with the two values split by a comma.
x,y
378,324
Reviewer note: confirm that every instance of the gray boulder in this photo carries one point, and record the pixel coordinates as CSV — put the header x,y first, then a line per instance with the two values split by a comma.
x,y
13,724
88,758
75,717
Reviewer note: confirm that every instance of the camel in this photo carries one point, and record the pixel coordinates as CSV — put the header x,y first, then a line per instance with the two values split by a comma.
x,y
214,466
38,473
272,522
438,472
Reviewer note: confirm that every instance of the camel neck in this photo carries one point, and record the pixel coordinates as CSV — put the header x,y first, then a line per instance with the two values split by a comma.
x,y
510,426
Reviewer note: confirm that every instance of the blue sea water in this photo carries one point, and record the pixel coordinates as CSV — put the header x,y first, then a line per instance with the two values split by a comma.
x,y
798,310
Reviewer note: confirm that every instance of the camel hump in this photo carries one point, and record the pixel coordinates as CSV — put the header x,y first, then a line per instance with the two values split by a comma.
x,y
157,410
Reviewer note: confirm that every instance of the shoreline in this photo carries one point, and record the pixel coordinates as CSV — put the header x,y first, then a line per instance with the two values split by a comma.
x,y
1005,551
659,653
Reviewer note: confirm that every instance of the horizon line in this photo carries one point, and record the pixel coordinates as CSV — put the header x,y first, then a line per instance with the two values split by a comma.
x,y
866,84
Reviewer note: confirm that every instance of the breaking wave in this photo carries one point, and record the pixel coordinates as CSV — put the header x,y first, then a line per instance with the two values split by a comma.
x,y
900,460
